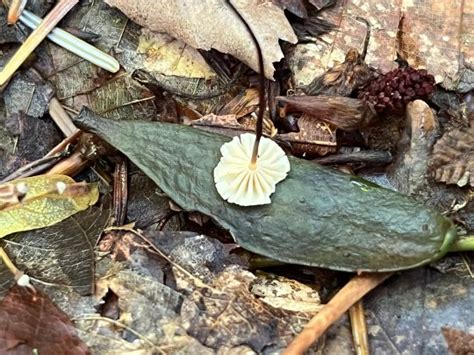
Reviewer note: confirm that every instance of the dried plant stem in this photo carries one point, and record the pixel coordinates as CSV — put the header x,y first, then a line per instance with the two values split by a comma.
x,y
9,264
120,199
61,118
71,165
36,37
352,292
15,10
359,329
64,143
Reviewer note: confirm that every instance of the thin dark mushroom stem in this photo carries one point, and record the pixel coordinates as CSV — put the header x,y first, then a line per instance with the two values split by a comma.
x,y
261,104
367,36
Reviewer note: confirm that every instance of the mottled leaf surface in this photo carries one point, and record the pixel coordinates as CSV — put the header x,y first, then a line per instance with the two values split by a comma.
x,y
435,35
44,204
62,254
406,314
30,322
213,24
317,217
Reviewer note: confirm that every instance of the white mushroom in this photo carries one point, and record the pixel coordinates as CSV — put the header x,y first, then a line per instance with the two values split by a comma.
x,y
245,181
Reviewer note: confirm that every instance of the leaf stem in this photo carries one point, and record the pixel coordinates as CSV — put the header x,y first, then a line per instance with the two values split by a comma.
x,y
463,244
261,103
9,264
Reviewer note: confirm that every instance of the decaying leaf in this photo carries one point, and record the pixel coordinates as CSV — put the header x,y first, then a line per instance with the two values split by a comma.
x,y
242,105
342,112
169,56
226,314
30,322
295,6
281,292
314,138
343,79
48,199
459,342
406,314
62,254
27,93
213,24
453,157
432,35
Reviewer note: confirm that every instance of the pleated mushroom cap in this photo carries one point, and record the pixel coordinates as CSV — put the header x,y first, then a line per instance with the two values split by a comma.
x,y
237,181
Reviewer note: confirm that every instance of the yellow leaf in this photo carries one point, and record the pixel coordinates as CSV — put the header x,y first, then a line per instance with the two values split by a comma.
x,y
41,201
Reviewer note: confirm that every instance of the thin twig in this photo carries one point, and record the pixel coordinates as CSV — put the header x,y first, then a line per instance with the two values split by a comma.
x,y
15,10
61,118
65,142
114,322
9,264
34,168
120,191
154,248
352,292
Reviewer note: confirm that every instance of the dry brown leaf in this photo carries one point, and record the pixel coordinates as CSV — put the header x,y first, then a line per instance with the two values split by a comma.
x,y
30,323
243,104
168,56
342,112
213,24
453,157
314,138
295,6
459,342
281,292
435,35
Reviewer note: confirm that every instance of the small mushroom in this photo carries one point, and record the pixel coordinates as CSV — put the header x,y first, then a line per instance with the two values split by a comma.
x,y
245,181
251,165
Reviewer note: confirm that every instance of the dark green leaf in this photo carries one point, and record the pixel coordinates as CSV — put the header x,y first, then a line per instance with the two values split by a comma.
x,y
318,216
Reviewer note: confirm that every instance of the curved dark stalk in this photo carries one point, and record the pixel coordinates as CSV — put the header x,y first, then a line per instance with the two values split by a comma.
x,y
261,104
367,36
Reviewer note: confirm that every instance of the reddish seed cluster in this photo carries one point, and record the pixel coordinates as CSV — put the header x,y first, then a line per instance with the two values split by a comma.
x,y
392,91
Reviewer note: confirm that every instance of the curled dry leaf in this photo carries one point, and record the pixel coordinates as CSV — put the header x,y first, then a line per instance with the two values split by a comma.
x,y
243,104
343,112
453,157
314,137
47,200
342,79
213,24
31,323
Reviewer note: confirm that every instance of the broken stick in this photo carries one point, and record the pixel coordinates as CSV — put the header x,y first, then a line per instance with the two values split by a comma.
x,y
352,292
